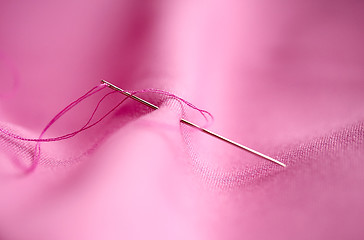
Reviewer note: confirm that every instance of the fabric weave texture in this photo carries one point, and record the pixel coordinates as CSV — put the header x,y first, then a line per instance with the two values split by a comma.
x,y
285,78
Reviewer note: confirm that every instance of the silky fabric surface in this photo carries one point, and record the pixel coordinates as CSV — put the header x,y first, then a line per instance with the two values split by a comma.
x,y
282,77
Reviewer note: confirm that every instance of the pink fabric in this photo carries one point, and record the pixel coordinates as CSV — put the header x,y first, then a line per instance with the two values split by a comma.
x,y
282,77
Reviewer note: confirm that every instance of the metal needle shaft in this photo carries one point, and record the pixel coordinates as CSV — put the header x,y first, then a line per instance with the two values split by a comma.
x,y
184,121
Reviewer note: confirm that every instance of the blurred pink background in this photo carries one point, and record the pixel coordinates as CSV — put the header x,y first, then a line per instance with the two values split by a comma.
x,y
282,77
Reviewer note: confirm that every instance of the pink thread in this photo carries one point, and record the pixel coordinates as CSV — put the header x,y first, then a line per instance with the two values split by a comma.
x,y
87,125
173,96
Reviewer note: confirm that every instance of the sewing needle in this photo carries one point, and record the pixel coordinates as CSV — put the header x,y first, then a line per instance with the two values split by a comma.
x,y
184,121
